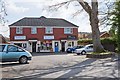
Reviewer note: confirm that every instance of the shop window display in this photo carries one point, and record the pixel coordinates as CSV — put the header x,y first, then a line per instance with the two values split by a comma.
x,y
46,45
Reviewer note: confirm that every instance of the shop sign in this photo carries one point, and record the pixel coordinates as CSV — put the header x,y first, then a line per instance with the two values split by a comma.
x,y
19,37
71,37
48,37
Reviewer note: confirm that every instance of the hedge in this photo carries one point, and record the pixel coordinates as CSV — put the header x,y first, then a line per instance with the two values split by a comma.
x,y
103,41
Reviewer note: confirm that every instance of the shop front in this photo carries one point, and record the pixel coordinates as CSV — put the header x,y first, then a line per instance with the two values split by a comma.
x,y
49,44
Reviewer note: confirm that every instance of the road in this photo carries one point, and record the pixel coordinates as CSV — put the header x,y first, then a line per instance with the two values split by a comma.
x,y
61,66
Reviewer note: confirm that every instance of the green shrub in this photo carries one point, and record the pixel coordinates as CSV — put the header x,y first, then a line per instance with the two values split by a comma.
x,y
108,41
85,41
103,41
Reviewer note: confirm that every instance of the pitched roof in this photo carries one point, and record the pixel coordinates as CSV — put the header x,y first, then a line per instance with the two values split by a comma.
x,y
43,21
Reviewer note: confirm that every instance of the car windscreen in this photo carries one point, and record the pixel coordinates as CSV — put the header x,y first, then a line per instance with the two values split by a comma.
x,y
2,48
79,47
74,46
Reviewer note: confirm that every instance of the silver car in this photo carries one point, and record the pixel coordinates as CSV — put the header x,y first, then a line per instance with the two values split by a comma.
x,y
84,50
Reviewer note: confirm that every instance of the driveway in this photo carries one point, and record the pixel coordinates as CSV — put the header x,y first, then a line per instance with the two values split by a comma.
x,y
61,66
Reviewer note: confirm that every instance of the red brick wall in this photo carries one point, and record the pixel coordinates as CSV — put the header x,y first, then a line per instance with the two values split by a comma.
x,y
58,33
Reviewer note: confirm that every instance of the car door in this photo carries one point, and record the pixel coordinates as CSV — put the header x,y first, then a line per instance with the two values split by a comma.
x,y
2,52
12,53
89,48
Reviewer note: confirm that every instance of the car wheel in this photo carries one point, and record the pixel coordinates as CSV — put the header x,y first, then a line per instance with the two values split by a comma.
x,y
83,52
23,60
78,53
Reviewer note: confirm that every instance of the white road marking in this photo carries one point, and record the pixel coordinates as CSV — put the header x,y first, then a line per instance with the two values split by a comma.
x,y
56,74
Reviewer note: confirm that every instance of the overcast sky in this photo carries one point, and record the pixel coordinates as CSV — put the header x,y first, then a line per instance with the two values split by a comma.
x,y
17,9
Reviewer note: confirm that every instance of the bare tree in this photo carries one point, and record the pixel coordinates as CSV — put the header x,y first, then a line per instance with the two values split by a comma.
x,y
106,14
3,12
92,10
93,17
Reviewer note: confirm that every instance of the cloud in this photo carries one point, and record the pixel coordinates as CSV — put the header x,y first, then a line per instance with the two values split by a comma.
x,y
55,1
39,1
13,8
21,8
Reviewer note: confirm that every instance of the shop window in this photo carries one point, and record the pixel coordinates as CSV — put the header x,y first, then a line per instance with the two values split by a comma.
x,y
69,44
46,46
18,44
24,45
19,30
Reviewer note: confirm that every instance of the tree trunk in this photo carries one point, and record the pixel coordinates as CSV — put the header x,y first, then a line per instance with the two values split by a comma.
x,y
97,46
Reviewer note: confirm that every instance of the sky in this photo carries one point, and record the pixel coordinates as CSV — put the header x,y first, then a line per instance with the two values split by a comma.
x,y
17,9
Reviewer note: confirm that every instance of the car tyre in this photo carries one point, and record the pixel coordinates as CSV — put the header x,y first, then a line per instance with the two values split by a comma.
x,y
83,52
78,53
23,60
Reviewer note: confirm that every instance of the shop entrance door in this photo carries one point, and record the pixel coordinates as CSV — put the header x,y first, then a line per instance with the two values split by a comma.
x,y
63,46
56,47
34,46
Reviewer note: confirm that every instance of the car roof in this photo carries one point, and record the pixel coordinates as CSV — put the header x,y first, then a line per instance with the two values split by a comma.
x,y
6,44
89,45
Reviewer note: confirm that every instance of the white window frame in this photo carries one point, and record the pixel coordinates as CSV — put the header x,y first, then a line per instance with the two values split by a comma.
x,y
33,30
19,30
68,29
48,31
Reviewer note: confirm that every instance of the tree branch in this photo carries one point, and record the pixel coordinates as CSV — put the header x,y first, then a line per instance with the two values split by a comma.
x,y
61,4
85,6
78,12
3,12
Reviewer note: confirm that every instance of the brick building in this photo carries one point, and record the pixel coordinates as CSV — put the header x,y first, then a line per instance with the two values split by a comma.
x,y
44,34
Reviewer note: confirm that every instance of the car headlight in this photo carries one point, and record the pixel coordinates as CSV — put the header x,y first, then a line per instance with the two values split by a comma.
x,y
68,49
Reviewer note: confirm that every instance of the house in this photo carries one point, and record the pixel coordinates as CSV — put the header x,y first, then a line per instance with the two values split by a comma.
x,y
104,35
83,35
44,34
86,35
2,39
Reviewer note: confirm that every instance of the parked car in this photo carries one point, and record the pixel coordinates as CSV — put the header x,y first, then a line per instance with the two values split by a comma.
x,y
84,50
13,53
72,49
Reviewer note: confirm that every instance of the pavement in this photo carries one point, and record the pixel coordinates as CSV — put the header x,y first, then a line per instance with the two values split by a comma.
x,y
62,66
